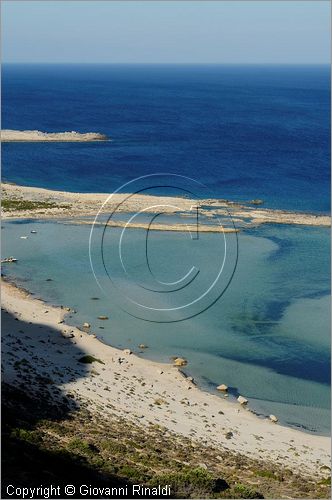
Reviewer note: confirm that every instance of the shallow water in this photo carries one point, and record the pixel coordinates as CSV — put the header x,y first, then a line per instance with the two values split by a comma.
x,y
267,337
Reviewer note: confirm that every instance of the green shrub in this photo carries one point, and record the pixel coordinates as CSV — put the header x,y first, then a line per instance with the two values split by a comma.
x,y
90,359
25,435
113,446
196,482
244,492
29,205
267,473
133,473
81,446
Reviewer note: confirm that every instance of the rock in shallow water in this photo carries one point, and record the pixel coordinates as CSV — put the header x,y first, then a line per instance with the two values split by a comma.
x,y
222,387
180,362
242,400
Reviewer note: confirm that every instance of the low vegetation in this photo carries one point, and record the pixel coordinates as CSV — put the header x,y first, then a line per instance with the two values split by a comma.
x,y
90,359
17,204
52,443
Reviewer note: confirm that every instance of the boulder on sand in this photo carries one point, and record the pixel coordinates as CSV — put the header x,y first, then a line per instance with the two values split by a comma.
x,y
222,387
126,351
68,335
242,400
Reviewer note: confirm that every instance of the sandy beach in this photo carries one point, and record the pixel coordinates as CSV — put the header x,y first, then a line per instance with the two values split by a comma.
x,y
28,202
143,392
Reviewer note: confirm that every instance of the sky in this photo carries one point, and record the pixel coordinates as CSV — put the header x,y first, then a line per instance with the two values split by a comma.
x,y
166,31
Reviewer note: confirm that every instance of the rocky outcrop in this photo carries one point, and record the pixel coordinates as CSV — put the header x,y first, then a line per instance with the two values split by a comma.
x,y
38,136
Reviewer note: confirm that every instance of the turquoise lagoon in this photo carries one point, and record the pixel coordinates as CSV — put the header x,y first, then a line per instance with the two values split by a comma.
x,y
267,338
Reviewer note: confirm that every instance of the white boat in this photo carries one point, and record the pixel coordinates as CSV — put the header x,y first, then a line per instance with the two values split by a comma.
x,y
8,259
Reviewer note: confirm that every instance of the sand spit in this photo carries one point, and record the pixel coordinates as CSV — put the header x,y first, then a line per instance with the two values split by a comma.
x,y
142,391
31,202
37,136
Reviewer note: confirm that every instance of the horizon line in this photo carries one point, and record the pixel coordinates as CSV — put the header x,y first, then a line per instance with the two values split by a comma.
x,y
327,63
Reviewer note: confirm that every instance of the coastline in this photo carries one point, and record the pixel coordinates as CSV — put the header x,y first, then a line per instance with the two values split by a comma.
x,y
31,202
146,392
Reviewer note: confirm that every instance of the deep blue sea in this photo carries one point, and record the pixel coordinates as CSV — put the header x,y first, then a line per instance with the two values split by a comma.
x,y
246,131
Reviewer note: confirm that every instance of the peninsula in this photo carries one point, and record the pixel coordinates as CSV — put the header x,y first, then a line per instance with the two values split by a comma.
x,y
31,202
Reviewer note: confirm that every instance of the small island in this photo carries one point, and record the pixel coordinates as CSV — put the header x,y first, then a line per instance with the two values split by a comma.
x,y
38,136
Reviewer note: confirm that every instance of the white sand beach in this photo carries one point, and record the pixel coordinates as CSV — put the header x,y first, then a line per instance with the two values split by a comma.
x,y
143,391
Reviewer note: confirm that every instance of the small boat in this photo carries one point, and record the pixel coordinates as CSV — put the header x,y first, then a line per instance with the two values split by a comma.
x,y
8,259
23,237
33,231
